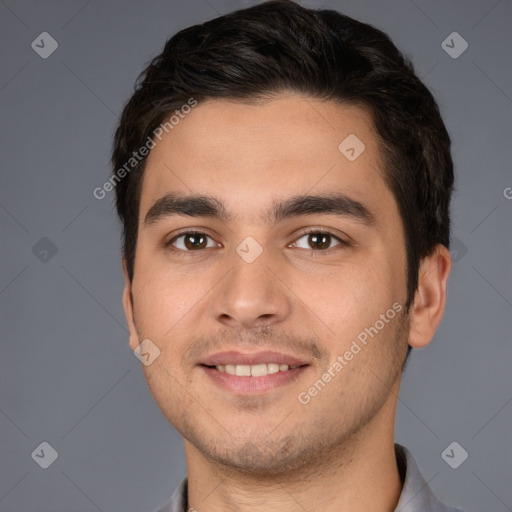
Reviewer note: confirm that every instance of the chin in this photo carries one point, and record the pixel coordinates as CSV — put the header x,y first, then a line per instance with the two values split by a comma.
x,y
259,461
260,456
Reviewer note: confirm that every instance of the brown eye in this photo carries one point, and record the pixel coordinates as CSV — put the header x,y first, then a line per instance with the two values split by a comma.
x,y
318,240
191,241
195,241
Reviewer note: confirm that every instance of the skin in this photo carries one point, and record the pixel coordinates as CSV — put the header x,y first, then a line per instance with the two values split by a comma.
x,y
269,451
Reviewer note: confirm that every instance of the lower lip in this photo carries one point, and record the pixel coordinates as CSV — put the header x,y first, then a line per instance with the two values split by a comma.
x,y
253,385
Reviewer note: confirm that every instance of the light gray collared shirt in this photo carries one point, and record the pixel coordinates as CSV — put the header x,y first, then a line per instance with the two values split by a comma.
x,y
416,496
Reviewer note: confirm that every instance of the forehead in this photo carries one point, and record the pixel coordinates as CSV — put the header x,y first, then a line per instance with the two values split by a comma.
x,y
247,155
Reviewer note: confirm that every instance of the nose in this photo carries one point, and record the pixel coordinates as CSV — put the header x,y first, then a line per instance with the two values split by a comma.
x,y
251,295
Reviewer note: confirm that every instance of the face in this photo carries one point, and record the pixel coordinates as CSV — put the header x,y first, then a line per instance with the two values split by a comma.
x,y
270,274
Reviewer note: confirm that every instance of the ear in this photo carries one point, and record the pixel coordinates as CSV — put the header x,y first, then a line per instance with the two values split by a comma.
x,y
128,308
430,298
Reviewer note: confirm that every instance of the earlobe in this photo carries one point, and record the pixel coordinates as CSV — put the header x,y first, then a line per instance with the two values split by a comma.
x,y
128,309
430,298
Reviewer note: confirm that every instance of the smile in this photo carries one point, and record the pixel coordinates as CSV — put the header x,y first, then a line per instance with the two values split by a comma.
x,y
254,370
252,373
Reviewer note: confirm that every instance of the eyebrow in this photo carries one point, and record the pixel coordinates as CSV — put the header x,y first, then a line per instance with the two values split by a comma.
x,y
210,207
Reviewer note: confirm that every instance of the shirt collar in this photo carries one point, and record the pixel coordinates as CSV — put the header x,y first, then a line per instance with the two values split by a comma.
x,y
416,495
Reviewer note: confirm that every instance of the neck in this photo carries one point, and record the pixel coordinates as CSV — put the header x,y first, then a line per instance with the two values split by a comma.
x,y
359,475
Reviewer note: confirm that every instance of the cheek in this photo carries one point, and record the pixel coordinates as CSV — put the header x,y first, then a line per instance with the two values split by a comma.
x,y
346,299
163,299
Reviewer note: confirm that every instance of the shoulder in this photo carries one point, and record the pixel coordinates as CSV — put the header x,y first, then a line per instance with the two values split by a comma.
x,y
416,496
178,501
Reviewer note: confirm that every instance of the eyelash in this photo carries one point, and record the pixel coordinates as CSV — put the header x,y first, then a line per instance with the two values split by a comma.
x,y
185,253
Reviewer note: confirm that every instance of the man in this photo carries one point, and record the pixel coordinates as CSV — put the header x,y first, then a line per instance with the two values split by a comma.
x,y
284,183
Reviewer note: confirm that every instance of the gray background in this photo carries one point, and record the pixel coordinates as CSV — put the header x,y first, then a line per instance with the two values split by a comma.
x,y
67,374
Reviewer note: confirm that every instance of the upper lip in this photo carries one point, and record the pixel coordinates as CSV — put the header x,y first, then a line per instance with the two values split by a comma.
x,y
250,358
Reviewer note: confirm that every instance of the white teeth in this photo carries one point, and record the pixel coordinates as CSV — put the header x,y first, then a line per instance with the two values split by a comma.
x,y
254,370
259,370
273,367
243,370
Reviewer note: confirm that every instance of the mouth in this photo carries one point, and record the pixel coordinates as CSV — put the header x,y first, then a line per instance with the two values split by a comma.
x,y
246,374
